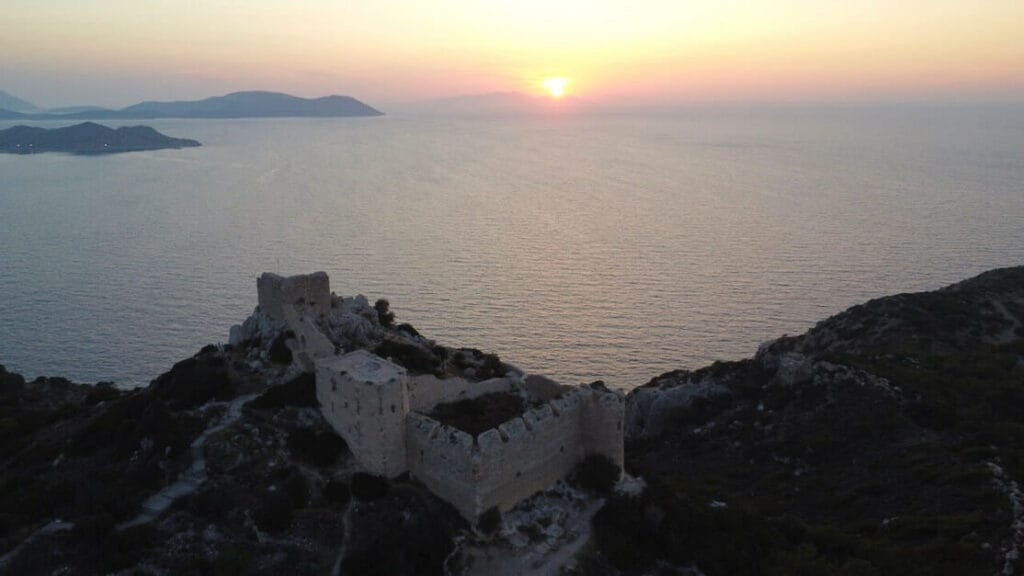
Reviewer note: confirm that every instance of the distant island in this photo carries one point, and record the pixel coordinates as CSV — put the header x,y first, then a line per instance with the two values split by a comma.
x,y
256,104
87,138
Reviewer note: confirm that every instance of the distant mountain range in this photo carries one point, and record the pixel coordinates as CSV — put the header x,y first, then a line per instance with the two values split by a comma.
x,y
87,138
234,105
11,103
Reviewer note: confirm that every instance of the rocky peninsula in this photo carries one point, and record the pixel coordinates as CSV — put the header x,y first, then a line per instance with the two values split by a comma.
x,y
87,138
888,439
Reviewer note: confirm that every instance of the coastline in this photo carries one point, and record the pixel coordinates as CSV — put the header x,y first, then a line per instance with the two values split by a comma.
x,y
899,412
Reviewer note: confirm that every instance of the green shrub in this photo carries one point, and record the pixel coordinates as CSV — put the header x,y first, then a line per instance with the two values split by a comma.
x,y
415,358
232,561
279,352
274,513
102,392
491,367
408,329
476,415
858,567
621,533
596,473
300,391
297,489
490,521
368,487
317,448
384,314
485,365
337,493
214,503
94,528
195,381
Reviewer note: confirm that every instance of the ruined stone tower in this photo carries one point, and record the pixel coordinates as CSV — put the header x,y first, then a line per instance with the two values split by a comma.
x,y
383,413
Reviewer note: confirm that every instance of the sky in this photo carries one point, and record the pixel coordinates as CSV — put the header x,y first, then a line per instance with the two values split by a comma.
x,y
118,52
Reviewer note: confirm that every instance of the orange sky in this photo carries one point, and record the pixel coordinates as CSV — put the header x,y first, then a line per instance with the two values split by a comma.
x,y
116,52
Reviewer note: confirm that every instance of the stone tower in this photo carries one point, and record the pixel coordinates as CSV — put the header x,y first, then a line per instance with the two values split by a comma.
x,y
366,399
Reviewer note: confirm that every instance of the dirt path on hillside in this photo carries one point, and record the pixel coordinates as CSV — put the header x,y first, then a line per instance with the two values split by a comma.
x,y
192,478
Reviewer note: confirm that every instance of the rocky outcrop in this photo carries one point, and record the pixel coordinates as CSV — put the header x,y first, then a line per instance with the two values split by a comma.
x,y
865,446
259,329
653,408
986,309
353,323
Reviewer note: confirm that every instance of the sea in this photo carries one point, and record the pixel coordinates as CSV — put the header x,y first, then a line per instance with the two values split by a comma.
x,y
608,246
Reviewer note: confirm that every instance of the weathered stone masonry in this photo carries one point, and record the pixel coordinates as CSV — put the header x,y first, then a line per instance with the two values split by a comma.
x,y
520,457
381,412
365,398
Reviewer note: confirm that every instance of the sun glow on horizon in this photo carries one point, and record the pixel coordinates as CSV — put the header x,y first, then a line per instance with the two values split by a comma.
x,y
645,52
556,86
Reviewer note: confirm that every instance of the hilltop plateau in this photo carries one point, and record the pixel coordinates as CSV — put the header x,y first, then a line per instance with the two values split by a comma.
x,y
888,439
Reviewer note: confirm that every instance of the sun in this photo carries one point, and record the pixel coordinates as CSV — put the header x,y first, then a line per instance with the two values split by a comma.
x,y
556,86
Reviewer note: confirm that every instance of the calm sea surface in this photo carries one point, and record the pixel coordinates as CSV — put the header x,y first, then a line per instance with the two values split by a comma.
x,y
609,247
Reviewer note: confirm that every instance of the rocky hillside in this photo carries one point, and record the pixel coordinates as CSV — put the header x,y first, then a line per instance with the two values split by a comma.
x,y
889,439
87,138
223,465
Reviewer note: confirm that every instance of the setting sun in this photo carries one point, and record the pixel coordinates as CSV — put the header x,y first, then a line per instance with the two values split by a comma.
x,y
556,86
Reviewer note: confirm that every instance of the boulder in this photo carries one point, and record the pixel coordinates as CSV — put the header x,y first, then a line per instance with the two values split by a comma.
x,y
258,327
650,410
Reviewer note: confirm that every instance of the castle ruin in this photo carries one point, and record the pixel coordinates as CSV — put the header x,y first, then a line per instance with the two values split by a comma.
x,y
384,413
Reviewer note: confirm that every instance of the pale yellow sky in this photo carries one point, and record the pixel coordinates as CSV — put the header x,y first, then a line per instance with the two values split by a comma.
x,y
116,52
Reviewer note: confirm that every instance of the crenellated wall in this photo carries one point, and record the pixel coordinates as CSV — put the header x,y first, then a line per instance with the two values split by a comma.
x,y
379,410
524,455
444,459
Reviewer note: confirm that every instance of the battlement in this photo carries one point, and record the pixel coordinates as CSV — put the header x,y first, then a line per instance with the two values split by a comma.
x,y
381,412
523,455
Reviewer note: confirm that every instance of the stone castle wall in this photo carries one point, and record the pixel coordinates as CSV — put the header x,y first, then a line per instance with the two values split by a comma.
x,y
522,456
444,459
310,342
378,409
603,418
526,455
298,302
310,293
427,390
370,403
365,399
